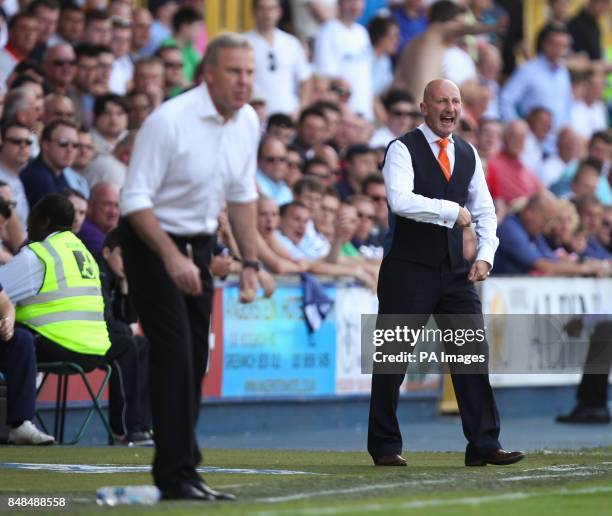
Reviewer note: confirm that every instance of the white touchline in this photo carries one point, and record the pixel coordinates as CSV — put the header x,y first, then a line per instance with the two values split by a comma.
x,y
348,490
420,504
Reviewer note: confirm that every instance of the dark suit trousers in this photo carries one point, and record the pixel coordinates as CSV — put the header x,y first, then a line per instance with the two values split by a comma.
x,y
177,328
410,288
593,389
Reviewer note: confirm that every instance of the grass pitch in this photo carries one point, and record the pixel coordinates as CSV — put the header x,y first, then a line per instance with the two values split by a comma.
x,y
321,483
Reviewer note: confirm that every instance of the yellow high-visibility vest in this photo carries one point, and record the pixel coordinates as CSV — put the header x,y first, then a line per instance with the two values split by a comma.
x,y
69,308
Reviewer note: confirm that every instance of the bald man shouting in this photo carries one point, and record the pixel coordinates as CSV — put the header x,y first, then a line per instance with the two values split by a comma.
x,y
436,188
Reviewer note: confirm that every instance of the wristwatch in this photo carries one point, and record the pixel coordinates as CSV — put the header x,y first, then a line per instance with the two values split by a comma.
x,y
253,264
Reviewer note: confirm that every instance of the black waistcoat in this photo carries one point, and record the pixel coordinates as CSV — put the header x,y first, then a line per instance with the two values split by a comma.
x,y
421,242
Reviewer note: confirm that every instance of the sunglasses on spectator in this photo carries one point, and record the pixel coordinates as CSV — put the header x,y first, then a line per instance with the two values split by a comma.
x,y
366,216
319,176
343,92
404,114
271,61
20,141
378,198
63,62
173,64
275,159
87,146
64,144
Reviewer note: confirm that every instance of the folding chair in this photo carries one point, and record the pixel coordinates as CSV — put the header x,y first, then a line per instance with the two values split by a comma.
x,y
4,428
64,370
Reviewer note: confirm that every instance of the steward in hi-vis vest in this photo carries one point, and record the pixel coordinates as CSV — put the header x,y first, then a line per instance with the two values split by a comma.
x,y
69,308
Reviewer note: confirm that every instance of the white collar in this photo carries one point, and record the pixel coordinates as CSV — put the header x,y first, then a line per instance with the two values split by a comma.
x,y
430,136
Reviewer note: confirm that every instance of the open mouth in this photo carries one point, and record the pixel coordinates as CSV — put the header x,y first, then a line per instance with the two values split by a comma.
x,y
447,120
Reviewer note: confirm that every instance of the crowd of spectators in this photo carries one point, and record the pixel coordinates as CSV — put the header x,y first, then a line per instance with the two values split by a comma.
x,y
334,82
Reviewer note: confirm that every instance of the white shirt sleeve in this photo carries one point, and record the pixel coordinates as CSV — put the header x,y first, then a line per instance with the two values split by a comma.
x,y
153,150
399,182
325,58
303,70
480,205
23,276
243,187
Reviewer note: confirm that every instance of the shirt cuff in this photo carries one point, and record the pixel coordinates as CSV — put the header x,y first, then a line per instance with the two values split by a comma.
x,y
135,203
486,254
448,213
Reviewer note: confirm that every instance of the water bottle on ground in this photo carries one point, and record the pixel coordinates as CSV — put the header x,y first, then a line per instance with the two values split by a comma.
x,y
127,495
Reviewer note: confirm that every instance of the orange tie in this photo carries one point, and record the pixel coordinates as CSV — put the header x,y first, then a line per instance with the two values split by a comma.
x,y
443,158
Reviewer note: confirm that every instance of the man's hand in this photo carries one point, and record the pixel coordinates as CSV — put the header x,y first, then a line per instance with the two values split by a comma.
x,y
464,218
220,266
7,328
479,271
248,284
184,273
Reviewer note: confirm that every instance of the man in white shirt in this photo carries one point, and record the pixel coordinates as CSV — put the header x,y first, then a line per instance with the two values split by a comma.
x,y
343,49
589,115
436,187
123,66
537,141
568,150
192,155
282,72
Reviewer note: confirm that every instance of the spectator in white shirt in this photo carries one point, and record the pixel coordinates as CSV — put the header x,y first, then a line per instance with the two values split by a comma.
x,y
489,68
540,123
589,114
123,66
282,71
343,49
384,36
569,145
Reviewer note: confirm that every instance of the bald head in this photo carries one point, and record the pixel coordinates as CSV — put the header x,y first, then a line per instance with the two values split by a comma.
x,y
514,136
540,209
103,208
441,106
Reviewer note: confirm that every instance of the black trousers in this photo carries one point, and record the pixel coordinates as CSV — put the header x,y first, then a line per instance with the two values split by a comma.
x,y
593,389
409,288
18,365
177,327
129,405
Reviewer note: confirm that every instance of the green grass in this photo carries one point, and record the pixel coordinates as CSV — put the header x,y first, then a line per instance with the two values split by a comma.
x,y
560,483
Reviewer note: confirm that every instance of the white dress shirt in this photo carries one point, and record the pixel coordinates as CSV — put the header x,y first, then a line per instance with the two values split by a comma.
x,y
187,162
280,69
399,182
346,52
23,276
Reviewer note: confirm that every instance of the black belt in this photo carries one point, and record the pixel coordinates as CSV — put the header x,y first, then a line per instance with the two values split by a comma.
x,y
200,238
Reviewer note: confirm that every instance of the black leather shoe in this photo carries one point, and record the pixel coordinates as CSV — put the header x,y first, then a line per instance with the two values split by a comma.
x,y
184,491
586,415
497,458
213,494
390,460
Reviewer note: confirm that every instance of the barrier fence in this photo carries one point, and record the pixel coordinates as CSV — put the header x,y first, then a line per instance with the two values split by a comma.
x,y
264,350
